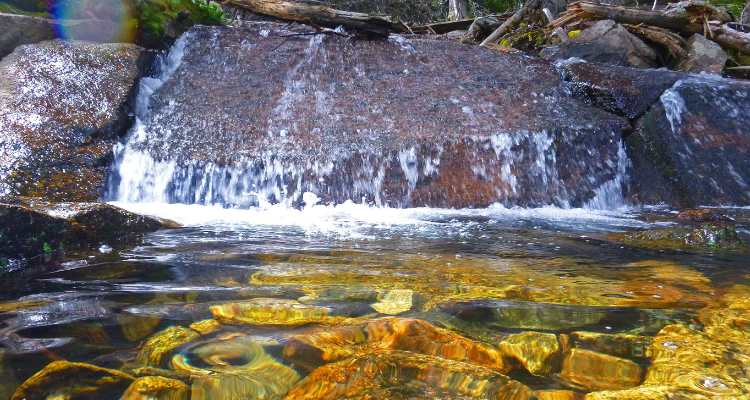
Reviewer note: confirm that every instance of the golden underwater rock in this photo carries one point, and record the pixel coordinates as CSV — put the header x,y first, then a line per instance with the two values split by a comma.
x,y
137,327
270,312
159,348
206,326
378,335
396,375
557,395
396,301
595,371
236,368
621,344
74,380
540,353
156,388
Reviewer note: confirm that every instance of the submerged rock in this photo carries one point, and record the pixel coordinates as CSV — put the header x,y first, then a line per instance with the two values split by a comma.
x,y
375,336
27,232
136,327
8,381
621,344
63,106
235,368
549,317
596,371
270,312
394,302
404,375
711,237
156,388
159,348
67,379
690,149
401,122
540,353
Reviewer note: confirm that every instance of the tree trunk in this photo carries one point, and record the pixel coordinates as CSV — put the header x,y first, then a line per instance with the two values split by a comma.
x,y
511,22
457,10
745,17
379,25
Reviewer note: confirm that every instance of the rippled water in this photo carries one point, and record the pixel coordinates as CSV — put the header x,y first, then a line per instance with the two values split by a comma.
x,y
477,276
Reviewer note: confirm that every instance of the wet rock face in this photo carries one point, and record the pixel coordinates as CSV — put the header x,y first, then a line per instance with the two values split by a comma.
x,y
398,122
692,146
62,107
620,90
48,230
703,55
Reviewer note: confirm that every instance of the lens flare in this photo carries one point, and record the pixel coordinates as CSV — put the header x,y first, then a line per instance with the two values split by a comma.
x,y
104,21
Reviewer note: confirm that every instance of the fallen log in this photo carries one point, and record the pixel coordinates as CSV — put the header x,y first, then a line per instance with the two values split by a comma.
x,y
730,38
672,42
690,21
511,22
377,25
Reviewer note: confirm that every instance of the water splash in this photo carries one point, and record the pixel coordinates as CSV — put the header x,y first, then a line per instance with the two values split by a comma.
x,y
674,105
609,196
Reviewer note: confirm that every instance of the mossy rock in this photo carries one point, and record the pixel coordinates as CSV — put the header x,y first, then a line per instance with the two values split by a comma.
x,y
161,22
707,237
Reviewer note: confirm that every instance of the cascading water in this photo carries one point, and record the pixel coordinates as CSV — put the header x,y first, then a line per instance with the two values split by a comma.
x,y
278,142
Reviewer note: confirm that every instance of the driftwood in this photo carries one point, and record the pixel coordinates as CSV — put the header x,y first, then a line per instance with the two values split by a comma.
x,y
686,18
378,25
673,42
692,20
511,22
444,27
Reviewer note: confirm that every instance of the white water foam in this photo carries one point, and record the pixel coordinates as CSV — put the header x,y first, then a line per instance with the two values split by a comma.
x,y
609,195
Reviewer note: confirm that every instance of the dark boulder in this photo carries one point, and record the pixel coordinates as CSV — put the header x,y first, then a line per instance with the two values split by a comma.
x,y
703,55
692,147
62,107
608,43
620,90
254,114
21,29
51,229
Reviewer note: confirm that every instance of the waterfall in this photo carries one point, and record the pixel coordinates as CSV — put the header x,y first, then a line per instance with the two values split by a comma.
x,y
336,126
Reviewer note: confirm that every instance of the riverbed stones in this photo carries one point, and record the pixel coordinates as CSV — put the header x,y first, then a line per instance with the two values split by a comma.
x,y
404,334
395,302
703,56
156,388
270,312
596,371
402,375
707,237
384,122
68,379
690,149
540,353
63,106
236,367
159,348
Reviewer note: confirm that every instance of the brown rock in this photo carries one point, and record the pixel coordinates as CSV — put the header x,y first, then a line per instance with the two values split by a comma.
x,y
703,214
418,136
596,371
62,107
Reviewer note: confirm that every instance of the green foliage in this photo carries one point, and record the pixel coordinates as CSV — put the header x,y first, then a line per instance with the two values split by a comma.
x,y
10,7
500,6
157,18
47,248
733,7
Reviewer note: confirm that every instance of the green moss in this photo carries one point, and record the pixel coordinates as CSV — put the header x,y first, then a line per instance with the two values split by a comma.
x,y
11,8
156,19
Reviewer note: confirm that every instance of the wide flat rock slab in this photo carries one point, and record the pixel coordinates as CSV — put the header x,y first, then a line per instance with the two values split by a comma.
x,y
62,107
263,111
692,147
